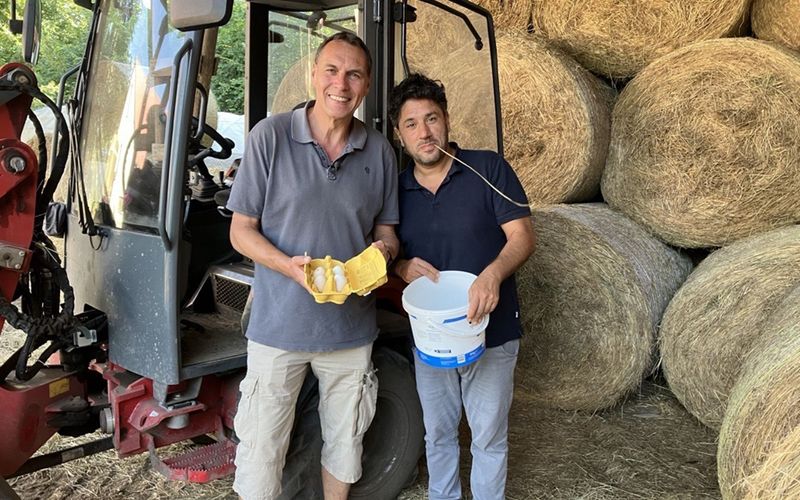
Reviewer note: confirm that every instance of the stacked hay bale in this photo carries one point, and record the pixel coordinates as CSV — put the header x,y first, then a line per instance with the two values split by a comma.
x,y
778,21
718,315
759,444
510,15
432,37
705,143
556,116
591,299
617,39
295,87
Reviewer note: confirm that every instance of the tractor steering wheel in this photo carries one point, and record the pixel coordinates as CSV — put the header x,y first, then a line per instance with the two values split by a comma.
x,y
201,152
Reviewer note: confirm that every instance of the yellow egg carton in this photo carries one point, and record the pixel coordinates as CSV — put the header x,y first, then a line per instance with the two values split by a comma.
x,y
331,280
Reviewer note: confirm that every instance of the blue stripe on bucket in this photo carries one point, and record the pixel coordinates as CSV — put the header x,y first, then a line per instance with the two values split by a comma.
x,y
453,361
452,320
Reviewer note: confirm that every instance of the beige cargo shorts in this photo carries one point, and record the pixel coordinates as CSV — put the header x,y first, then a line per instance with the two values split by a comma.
x,y
348,391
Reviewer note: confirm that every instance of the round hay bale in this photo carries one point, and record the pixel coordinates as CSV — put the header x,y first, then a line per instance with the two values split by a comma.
x,y
591,297
508,14
433,36
295,87
705,143
759,443
777,21
617,39
719,313
556,116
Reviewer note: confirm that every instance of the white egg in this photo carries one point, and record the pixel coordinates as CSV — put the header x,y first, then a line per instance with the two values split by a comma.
x,y
319,272
338,271
340,282
319,283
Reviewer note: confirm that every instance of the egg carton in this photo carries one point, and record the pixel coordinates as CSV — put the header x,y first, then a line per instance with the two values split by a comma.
x,y
332,280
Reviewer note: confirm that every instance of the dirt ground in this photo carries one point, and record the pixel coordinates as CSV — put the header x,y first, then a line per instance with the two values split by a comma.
x,y
647,447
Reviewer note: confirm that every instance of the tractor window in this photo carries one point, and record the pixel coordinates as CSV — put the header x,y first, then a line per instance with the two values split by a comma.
x,y
294,39
442,46
127,95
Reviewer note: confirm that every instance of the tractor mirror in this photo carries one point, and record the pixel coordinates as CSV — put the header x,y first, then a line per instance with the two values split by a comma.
x,y
31,31
188,15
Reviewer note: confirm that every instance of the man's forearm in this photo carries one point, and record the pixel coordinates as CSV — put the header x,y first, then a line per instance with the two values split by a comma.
x,y
386,234
519,246
249,241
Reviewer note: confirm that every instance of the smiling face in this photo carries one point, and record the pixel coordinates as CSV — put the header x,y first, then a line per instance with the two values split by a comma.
x,y
423,125
341,79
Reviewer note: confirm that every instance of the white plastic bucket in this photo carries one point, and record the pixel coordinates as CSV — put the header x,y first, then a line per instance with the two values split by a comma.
x,y
438,315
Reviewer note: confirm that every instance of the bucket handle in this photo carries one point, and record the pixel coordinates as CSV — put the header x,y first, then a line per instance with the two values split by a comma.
x,y
459,333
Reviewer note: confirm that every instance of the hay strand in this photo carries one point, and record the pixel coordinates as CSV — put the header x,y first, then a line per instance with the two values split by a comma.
x,y
617,39
718,315
591,298
705,143
759,443
777,21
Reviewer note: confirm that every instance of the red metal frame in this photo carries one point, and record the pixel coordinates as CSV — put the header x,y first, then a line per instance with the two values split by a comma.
x,y
17,189
140,422
26,409
26,405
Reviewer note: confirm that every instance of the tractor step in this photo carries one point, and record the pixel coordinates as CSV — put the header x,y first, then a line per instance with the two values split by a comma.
x,y
199,465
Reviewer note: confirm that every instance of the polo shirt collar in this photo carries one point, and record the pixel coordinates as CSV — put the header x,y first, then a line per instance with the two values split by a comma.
x,y
409,182
301,129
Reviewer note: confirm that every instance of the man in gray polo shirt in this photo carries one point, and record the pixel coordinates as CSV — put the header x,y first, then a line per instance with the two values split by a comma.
x,y
312,182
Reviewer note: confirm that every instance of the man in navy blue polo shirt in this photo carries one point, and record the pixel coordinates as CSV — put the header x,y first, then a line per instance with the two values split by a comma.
x,y
450,219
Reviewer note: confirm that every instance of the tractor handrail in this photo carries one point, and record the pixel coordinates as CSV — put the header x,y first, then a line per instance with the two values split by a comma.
x,y
62,84
166,163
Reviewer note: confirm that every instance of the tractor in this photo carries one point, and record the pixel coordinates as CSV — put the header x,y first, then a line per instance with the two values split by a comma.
x,y
136,336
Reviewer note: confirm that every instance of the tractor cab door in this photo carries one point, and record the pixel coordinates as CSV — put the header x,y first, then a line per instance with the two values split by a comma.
x,y
133,119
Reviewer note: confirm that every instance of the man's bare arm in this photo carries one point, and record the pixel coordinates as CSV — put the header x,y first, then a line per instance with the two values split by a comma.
x,y
386,241
484,293
247,239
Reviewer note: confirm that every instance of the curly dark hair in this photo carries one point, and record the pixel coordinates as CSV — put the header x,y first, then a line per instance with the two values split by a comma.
x,y
350,38
415,86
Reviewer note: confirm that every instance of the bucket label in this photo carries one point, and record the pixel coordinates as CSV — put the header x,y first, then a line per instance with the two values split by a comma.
x,y
451,361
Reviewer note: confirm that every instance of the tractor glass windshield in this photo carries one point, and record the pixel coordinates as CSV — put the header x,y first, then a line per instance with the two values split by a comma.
x,y
441,43
294,38
123,126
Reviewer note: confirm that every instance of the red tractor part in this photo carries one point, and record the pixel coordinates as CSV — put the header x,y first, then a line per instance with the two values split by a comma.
x,y
28,409
18,176
140,423
200,465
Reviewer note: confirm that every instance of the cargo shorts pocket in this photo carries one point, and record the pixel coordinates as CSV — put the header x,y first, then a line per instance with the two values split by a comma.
x,y
245,422
367,403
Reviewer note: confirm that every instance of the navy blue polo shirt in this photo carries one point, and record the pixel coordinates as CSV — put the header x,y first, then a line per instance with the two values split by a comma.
x,y
458,228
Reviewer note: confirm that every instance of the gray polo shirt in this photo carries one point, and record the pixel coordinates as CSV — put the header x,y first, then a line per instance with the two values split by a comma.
x,y
307,203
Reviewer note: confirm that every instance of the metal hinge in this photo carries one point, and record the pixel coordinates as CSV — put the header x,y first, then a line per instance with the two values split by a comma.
x,y
12,257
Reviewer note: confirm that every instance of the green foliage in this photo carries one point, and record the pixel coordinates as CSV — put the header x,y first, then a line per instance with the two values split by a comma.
x,y
228,83
64,30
